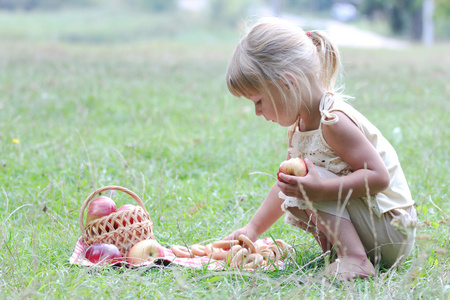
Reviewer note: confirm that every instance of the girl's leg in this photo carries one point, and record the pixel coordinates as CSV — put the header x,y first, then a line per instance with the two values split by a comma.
x,y
305,219
339,233
320,237
352,259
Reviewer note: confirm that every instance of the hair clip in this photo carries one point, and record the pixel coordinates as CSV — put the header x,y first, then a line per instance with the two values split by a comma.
x,y
308,33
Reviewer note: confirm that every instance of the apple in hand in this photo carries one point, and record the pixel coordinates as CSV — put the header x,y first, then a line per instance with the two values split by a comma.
x,y
294,166
103,253
145,250
100,207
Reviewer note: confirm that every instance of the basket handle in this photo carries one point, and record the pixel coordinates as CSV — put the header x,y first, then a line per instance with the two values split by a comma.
x,y
102,189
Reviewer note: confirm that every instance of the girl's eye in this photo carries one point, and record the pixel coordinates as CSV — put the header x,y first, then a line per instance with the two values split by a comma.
x,y
258,103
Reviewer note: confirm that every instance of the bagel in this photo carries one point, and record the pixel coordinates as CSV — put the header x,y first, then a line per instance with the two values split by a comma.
x,y
268,256
225,244
248,242
267,253
181,251
262,247
239,258
274,249
284,247
232,252
219,254
253,260
208,250
198,250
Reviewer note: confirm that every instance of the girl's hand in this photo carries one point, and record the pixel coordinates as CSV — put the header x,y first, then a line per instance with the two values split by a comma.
x,y
246,230
309,186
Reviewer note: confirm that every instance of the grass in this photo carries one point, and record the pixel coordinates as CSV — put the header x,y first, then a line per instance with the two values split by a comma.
x,y
152,113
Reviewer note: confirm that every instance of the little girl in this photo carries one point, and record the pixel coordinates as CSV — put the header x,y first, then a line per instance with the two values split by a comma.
x,y
355,197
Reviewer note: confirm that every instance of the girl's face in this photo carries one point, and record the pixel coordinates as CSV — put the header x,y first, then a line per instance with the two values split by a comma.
x,y
275,111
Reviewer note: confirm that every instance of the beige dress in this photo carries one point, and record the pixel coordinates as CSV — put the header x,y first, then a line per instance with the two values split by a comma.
x,y
385,221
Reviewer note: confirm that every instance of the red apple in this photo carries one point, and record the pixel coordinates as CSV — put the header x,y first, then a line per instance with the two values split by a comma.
x,y
294,166
128,207
124,207
103,253
100,207
144,251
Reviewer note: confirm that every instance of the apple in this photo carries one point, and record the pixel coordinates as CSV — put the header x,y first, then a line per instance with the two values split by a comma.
x,y
144,251
103,253
294,166
100,207
127,207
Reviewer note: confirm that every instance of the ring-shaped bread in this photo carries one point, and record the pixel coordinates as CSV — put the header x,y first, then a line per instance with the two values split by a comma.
x,y
198,250
181,251
248,242
225,244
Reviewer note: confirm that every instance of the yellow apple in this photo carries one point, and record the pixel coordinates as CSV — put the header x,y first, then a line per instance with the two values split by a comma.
x,y
145,250
294,166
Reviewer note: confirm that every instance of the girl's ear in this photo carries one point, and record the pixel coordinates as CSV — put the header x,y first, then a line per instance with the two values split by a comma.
x,y
289,81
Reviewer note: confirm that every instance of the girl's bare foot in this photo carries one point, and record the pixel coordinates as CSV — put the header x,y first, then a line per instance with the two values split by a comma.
x,y
350,268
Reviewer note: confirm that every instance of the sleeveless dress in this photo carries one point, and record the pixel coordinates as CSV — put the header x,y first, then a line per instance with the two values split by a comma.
x,y
312,145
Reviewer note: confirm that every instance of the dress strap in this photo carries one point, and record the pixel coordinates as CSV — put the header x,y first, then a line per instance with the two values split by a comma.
x,y
326,103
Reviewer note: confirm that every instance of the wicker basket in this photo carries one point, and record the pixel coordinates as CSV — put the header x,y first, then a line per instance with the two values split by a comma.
x,y
123,228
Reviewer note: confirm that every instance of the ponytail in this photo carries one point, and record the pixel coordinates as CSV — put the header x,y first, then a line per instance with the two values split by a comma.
x,y
330,59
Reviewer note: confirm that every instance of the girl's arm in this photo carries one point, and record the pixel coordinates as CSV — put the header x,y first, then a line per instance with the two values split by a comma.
x,y
266,215
370,174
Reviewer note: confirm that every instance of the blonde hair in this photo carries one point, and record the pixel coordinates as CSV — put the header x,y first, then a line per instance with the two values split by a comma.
x,y
276,52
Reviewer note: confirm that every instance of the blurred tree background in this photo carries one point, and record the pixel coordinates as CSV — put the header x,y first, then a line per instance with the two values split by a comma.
x,y
403,18
406,16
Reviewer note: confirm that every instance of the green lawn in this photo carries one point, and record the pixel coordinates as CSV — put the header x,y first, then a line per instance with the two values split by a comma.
x,y
89,99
